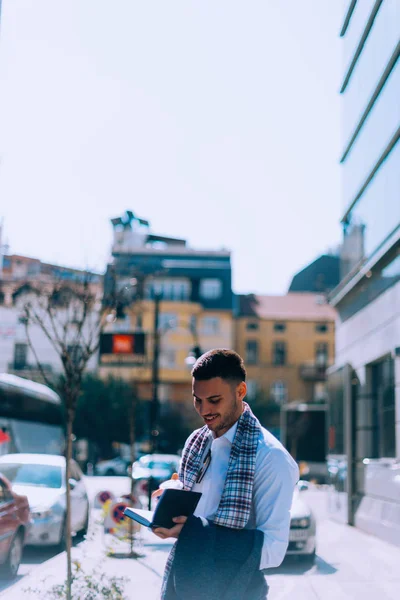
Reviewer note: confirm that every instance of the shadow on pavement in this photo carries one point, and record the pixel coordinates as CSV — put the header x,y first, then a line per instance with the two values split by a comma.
x,y
296,565
32,557
6,583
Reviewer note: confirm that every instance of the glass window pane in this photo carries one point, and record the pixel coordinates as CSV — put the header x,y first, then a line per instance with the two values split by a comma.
x,y
378,209
210,289
279,353
251,352
358,21
374,137
375,55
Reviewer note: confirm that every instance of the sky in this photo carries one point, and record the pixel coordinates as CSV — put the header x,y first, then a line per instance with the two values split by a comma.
x,y
216,120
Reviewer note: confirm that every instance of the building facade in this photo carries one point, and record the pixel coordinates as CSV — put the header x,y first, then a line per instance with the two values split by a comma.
x,y
18,275
195,307
365,381
287,343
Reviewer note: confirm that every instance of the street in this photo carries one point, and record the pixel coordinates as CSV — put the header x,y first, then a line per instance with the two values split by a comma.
x,y
350,565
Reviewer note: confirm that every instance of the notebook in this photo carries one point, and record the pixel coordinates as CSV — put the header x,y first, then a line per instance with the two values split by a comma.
x,y
172,503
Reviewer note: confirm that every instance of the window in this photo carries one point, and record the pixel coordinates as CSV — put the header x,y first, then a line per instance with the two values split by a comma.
x,y
279,353
251,389
280,327
383,409
168,321
252,326
321,328
321,354
20,356
279,392
168,359
252,352
210,325
210,289
169,288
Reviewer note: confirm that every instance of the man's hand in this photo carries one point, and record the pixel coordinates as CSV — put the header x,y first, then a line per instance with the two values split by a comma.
x,y
174,532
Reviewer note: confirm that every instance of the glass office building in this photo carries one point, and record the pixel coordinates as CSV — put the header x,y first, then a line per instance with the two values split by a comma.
x,y
365,382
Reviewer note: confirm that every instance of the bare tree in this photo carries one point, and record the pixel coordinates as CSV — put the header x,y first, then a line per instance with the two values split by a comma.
x,y
71,317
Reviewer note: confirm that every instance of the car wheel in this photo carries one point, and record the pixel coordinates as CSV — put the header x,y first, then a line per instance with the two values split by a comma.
x,y
10,568
110,472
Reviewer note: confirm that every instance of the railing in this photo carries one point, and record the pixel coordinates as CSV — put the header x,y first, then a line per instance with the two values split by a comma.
x,y
313,372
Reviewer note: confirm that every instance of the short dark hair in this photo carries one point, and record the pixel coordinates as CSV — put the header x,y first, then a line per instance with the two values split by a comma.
x,y
222,363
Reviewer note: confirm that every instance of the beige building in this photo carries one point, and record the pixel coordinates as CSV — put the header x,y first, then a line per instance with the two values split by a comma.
x,y
18,275
287,343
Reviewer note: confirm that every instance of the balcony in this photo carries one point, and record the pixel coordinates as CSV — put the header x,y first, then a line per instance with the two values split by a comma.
x,y
313,372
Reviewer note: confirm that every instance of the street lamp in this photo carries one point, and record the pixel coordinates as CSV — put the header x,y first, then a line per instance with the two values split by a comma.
x,y
192,357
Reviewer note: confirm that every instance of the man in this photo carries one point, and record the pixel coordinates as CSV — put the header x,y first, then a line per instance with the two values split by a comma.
x,y
246,477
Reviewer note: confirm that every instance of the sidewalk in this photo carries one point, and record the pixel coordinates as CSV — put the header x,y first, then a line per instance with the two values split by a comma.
x,y
144,575
351,565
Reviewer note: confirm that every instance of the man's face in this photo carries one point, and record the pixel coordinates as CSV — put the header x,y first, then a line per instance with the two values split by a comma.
x,y
219,403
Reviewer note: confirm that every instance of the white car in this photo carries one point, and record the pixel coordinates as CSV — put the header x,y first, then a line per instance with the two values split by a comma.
x,y
114,466
41,477
302,536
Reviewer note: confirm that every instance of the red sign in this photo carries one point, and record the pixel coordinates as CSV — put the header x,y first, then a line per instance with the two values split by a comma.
x,y
122,344
4,437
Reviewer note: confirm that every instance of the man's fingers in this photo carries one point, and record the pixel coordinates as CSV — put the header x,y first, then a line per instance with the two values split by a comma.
x,y
157,493
180,520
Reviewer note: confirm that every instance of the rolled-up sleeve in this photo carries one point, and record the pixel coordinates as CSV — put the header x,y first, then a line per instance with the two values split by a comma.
x,y
274,482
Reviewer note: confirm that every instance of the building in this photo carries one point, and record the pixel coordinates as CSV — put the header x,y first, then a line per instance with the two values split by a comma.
x,y
18,275
364,385
287,343
319,277
195,308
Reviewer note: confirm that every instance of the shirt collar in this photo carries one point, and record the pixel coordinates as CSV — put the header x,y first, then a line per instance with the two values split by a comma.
x,y
228,435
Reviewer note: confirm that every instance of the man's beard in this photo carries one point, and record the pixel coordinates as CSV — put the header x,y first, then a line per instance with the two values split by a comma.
x,y
229,420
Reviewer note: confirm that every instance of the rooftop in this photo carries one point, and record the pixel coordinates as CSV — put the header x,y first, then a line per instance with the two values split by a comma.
x,y
291,307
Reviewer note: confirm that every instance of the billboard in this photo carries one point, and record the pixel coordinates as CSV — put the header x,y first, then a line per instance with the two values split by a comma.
x,y
125,348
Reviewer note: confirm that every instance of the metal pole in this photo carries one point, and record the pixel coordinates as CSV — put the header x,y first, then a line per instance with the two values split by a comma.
x,y
155,376
155,382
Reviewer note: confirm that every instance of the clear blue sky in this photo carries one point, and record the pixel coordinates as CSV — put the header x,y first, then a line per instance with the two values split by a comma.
x,y
217,120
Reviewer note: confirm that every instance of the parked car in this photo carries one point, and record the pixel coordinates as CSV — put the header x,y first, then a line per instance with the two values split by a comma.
x,y
302,536
114,466
157,467
14,525
41,477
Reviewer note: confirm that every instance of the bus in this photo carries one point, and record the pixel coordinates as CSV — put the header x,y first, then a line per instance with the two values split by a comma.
x,y
31,417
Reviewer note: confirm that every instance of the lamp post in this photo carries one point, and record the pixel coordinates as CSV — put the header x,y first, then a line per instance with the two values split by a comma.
x,y
154,408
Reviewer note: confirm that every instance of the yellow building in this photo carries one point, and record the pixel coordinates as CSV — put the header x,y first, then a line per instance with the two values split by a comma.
x,y
196,308
182,325
287,342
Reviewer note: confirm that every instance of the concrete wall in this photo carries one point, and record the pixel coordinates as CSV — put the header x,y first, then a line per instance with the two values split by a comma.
x,y
369,335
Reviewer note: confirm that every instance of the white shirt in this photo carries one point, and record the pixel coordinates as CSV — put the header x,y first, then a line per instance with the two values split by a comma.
x,y
275,478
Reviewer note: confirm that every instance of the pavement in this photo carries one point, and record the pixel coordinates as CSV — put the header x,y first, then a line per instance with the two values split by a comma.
x,y
350,565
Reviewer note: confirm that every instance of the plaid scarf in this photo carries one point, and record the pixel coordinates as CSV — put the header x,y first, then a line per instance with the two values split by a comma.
x,y
235,505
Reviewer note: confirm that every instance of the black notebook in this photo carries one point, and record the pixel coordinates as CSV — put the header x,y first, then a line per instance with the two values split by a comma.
x,y
172,503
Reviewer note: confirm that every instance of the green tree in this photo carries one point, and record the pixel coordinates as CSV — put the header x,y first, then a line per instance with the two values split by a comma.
x,y
102,414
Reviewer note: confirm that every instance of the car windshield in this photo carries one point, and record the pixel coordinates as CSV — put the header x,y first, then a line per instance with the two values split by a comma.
x,y
148,463
30,474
